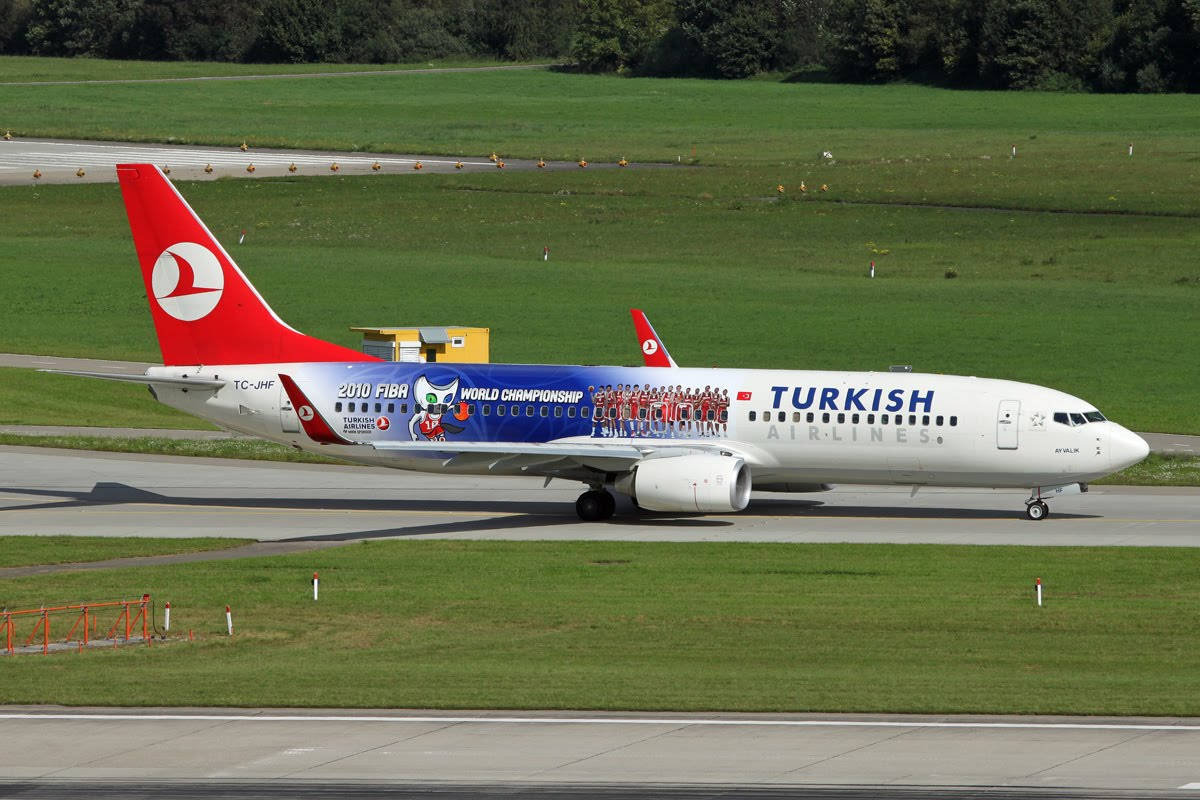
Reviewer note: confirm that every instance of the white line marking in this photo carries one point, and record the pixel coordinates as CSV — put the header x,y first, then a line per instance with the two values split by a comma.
x,y
1190,786
783,723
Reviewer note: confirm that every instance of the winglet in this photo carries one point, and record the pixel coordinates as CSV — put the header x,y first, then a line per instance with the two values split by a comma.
x,y
653,350
314,424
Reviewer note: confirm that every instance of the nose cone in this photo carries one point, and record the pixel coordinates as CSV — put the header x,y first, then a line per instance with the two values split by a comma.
x,y
1126,448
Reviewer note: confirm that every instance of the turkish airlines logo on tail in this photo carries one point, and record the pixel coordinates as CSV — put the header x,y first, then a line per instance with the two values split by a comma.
x,y
305,413
649,347
187,281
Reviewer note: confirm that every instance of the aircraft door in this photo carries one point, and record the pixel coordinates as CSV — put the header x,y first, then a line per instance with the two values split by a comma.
x,y
1007,424
288,420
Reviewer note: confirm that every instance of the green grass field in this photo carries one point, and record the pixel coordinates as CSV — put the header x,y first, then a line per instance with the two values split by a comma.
x,y
20,551
1099,306
15,69
650,626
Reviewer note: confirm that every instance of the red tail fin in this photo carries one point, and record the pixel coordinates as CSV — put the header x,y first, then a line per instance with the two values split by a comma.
x,y
653,350
204,309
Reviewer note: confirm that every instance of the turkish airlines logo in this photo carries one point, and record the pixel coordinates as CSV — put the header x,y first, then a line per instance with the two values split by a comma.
x,y
305,413
383,423
649,347
187,281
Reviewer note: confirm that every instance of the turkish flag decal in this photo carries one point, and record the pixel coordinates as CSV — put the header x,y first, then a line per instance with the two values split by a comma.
x,y
743,396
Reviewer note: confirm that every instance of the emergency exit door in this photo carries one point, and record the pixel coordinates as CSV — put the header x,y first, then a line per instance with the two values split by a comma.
x,y
1007,424
287,417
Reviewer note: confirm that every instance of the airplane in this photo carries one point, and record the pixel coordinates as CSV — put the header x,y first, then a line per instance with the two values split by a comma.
x,y
674,439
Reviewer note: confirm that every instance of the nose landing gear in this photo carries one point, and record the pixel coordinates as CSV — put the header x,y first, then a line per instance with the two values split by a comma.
x,y
595,505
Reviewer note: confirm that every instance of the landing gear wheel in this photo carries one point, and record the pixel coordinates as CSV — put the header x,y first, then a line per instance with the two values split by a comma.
x,y
595,505
1037,510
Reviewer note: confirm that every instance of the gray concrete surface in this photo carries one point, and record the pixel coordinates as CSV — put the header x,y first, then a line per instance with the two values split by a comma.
x,y
59,161
550,748
47,491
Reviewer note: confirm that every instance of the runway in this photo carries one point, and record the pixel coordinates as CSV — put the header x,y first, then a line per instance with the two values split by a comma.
x,y
602,754
60,161
47,492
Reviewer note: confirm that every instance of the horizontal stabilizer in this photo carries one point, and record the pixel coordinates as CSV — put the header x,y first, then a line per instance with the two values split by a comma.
x,y
147,380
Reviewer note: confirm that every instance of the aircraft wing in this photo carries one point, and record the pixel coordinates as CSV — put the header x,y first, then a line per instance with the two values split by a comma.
x,y
149,380
543,457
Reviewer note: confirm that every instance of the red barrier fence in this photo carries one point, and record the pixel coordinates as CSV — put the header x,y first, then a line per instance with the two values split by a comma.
x,y
86,625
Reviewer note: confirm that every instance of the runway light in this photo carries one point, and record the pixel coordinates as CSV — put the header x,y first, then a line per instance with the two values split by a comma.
x,y
8,136
803,188
208,169
79,173
824,187
582,163
334,167
418,165
541,164
250,168
292,167
499,165
37,173
622,162
376,166
243,146
458,165
493,156
166,170
779,188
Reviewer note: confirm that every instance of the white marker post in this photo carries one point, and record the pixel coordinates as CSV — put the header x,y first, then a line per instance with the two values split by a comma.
x,y
316,585
546,253
872,269
229,620
242,238
1131,149
1039,592
167,618
1014,152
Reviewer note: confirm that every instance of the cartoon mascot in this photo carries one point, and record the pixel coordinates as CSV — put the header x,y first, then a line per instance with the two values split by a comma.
x,y
432,402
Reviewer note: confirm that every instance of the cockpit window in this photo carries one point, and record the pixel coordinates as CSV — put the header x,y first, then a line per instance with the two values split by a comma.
x,y
1093,416
1072,419
1078,419
1061,418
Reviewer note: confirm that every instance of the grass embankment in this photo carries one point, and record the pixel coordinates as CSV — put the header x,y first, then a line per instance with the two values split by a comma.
x,y
20,551
1156,470
1101,307
653,626
37,68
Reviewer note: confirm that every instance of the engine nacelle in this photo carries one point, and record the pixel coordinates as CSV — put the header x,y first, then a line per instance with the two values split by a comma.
x,y
696,483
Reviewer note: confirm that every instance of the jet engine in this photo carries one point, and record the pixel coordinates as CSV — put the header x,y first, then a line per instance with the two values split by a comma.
x,y
696,483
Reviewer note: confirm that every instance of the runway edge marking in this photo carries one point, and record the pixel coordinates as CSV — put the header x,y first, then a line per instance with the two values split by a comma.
x,y
816,723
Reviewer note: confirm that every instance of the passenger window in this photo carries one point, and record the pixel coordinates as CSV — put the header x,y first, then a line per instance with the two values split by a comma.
x,y
954,422
883,418
391,408
810,416
724,416
766,416
825,417
544,411
378,408
570,412
404,408
337,406
795,416
529,411
753,416
515,411
870,419
486,410
854,419
939,420
499,411
912,419
925,419
841,418
782,416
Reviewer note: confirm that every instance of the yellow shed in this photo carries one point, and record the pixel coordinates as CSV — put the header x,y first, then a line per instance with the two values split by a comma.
x,y
427,344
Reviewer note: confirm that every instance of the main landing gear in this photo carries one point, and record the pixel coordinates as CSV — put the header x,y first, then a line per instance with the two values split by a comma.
x,y
1037,510
595,505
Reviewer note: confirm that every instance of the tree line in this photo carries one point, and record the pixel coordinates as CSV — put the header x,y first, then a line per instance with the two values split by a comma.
x,y
1091,45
